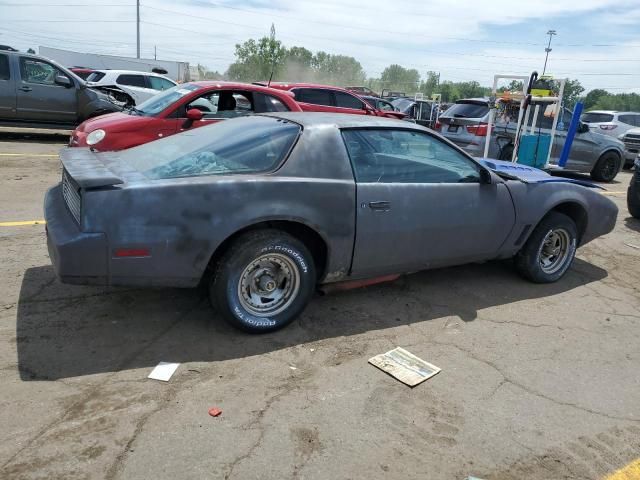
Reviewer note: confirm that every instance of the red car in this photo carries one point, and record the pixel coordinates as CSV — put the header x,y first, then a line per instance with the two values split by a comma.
x,y
325,98
177,109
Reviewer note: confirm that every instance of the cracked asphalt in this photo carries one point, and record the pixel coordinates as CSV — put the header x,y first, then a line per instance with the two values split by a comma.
x,y
537,381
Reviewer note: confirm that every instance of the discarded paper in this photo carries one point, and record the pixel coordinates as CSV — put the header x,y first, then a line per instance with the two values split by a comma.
x,y
163,371
632,246
404,366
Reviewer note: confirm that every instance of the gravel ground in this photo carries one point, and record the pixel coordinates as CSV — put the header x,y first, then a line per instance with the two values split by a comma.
x,y
537,381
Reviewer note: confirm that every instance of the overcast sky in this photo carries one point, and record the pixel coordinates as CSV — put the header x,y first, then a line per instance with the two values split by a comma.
x,y
598,41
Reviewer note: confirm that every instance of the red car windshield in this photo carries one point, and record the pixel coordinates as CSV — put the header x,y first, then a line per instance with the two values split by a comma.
x,y
158,103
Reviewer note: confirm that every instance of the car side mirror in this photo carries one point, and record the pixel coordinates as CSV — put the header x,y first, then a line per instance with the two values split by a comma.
x,y
485,177
194,114
583,128
63,81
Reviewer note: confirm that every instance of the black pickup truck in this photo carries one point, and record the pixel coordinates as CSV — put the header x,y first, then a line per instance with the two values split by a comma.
x,y
39,93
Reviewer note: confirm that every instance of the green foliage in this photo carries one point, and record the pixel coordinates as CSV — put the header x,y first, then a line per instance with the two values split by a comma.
x,y
593,97
621,101
256,59
572,91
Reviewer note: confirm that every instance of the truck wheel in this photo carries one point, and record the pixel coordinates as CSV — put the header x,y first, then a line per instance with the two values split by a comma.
x,y
633,197
550,249
606,168
264,281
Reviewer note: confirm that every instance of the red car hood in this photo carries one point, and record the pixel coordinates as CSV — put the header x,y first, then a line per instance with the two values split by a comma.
x,y
113,122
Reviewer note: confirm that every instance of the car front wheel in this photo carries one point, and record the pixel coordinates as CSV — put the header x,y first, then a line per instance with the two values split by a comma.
x,y
550,250
264,281
633,196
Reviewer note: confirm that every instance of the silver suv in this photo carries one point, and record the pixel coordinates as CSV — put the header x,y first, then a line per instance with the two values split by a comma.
x,y
465,124
611,122
631,139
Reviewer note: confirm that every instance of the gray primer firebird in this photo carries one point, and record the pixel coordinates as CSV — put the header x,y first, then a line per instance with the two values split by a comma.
x,y
272,205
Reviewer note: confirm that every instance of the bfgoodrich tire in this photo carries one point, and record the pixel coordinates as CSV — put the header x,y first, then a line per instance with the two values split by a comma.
x,y
550,250
264,281
606,168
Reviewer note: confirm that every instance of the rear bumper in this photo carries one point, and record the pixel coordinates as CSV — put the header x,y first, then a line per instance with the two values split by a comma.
x,y
77,257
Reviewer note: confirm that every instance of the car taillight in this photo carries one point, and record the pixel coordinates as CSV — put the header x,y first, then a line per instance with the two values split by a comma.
x,y
477,130
437,126
608,127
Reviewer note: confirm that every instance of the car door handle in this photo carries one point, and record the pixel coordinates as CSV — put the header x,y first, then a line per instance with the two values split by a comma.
x,y
380,205
25,89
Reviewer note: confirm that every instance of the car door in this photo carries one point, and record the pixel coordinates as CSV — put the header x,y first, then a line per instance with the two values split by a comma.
x,y
314,99
421,203
347,103
39,98
581,155
7,89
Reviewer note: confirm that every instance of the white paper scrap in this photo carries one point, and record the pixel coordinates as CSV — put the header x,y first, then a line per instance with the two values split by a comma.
x,y
163,371
404,366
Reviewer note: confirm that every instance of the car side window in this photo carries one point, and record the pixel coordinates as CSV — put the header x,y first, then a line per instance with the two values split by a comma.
x,y
222,104
315,96
406,156
131,80
344,100
159,83
37,71
385,106
636,120
5,74
268,103
626,119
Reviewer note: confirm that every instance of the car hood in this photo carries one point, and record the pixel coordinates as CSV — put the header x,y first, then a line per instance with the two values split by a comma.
x,y
113,122
528,174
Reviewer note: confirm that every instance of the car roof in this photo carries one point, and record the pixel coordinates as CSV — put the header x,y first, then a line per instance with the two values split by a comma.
x,y
291,85
343,120
130,72
613,112
238,86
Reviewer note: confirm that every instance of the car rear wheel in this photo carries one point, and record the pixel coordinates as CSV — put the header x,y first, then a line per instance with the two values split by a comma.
x,y
550,249
506,153
606,168
264,281
633,196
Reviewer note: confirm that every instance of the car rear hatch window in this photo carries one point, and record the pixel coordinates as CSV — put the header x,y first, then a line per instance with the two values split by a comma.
x,y
592,117
240,146
473,110
95,76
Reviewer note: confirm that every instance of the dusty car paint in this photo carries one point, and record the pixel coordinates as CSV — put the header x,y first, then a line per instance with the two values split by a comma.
x,y
184,221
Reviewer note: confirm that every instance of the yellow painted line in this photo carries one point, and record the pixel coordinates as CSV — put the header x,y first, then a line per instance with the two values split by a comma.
x,y
21,224
629,472
613,193
28,154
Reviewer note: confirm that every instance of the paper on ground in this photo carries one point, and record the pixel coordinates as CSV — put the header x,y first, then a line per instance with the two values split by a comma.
x,y
404,366
163,371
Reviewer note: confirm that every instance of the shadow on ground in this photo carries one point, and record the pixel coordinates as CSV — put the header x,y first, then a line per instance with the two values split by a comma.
x,y
632,224
67,331
53,137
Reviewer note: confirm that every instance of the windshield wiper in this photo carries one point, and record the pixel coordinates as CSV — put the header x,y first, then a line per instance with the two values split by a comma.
x,y
459,115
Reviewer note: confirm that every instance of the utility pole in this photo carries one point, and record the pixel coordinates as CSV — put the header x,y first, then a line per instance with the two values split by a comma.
x,y
155,52
551,33
138,27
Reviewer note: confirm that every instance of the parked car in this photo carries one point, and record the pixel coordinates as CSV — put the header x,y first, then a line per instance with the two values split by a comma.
x,y
129,87
633,193
465,124
323,98
274,204
82,72
611,122
37,92
183,107
631,140
363,91
379,103
421,112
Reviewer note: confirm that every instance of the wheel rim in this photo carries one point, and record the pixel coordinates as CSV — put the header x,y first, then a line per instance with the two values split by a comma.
x,y
268,285
554,250
609,169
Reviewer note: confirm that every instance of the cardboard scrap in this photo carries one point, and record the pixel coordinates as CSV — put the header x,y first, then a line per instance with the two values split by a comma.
x,y
404,366
163,371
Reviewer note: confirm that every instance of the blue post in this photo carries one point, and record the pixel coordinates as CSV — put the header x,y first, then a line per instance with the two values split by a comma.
x,y
573,128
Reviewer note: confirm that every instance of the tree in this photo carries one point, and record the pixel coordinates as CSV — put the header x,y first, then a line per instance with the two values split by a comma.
x,y
255,60
31,51
572,91
396,77
431,84
593,97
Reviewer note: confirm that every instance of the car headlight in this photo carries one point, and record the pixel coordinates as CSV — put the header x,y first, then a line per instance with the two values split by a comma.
x,y
621,137
96,136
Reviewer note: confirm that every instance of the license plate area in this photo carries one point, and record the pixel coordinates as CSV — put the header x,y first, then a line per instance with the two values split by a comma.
x,y
452,129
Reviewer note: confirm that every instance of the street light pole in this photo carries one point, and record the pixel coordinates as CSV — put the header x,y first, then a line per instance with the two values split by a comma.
x,y
551,33
138,27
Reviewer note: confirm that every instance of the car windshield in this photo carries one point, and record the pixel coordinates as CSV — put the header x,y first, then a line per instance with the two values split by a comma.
x,y
402,104
242,145
158,103
467,110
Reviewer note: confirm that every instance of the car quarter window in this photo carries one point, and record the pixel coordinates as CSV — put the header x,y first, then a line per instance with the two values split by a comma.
x,y
268,103
37,71
629,119
131,80
159,83
344,100
385,106
4,67
406,156
316,96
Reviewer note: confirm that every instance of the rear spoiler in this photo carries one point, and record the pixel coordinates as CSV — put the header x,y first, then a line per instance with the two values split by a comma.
x,y
86,168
